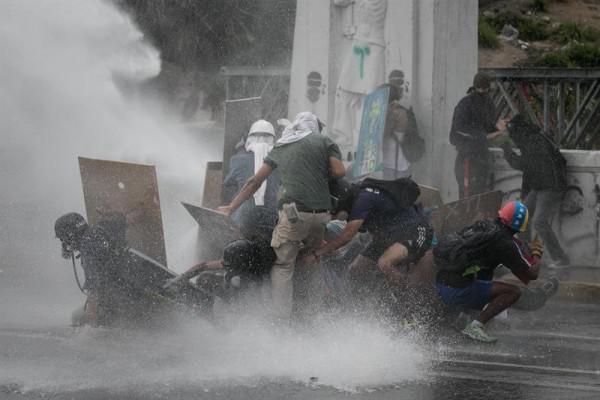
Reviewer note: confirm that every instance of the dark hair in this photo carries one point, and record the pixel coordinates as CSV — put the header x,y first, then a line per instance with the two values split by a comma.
x,y
395,93
482,81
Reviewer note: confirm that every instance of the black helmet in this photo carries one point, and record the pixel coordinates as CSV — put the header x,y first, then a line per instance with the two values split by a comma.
x,y
239,255
70,227
342,194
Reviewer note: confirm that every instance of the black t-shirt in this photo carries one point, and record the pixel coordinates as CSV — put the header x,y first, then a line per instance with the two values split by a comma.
x,y
380,213
503,249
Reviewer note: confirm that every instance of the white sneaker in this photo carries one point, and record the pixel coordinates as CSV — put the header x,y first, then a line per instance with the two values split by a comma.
x,y
477,333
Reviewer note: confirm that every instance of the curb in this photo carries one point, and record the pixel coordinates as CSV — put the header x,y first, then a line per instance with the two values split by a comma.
x,y
571,291
579,292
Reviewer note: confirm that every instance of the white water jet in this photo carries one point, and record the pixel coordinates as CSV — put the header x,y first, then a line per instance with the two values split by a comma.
x,y
58,100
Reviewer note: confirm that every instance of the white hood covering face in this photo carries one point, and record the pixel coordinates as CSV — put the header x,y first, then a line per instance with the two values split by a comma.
x,y
260,145
304,124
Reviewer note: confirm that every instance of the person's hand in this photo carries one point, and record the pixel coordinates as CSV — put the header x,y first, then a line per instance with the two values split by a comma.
x,y
537,247
226,210
501,124
311,258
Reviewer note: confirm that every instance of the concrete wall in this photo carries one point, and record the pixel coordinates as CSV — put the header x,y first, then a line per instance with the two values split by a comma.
x,y
447,61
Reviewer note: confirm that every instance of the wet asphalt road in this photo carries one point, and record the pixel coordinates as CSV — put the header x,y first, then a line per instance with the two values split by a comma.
x,y
553,353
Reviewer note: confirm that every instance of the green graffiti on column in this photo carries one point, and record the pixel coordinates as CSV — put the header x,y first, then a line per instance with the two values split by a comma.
x,y
362,52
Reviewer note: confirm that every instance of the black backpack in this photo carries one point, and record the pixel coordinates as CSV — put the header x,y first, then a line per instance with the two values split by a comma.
x,y
414,145
403,191
460,250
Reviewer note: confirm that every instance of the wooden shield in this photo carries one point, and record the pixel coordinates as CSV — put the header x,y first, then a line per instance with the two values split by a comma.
x,y
131,189
458,214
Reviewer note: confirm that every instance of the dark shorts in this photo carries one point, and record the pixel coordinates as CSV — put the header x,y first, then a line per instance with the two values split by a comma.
x,y
416,239
474,296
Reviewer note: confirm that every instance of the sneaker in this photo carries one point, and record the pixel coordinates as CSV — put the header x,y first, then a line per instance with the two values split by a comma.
x,y
477,333
461,321
551,286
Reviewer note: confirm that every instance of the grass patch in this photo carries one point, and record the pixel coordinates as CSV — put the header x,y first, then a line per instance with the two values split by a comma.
x,y
570,31
532,30
487,36
529,29
584,55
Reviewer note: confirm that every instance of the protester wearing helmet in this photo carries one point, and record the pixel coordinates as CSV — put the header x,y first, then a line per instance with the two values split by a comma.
x,y
306,161
467,260
257,215
102,249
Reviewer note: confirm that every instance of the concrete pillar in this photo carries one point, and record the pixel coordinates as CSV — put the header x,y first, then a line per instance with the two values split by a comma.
x,y
434,42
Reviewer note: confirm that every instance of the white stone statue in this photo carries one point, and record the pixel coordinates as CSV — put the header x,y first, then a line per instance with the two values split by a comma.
x,y
363,69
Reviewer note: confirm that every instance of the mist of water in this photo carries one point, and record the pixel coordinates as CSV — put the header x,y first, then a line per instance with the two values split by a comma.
x,y
58,101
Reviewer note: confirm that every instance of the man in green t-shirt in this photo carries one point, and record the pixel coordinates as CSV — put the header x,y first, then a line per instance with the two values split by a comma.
x,y
306,160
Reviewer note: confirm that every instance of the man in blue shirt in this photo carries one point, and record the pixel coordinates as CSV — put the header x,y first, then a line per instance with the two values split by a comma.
x,y
399,230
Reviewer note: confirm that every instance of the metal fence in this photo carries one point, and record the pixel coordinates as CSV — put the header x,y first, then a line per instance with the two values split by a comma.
x,y
564,102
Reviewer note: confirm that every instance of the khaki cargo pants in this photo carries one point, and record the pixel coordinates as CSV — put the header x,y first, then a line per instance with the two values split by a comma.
x,y
289,238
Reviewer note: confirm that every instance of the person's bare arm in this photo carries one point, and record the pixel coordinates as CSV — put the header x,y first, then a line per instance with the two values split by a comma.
x,y
533,271
249,188
336,167
194,271
346,236
501,126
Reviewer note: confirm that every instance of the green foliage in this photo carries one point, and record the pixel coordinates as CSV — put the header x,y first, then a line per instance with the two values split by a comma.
x,y
487,35
539,5
570,31
584,55
208,34
555,59
504,18
530,29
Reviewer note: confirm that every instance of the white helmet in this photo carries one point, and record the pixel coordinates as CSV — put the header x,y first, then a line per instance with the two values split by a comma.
x,y
262,126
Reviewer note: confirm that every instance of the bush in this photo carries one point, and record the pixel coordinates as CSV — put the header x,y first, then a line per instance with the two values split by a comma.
x,y
539,5
570,31
555,59
487,35
586,55
504,18
532,30
529,28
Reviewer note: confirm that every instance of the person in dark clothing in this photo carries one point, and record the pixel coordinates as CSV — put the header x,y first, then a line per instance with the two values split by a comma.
x,y
544,180
468,283
474,124
399,230
103,252
258,214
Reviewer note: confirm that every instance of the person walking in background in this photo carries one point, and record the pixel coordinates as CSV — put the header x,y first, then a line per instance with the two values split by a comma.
x,y
306,161
544,180
474,124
